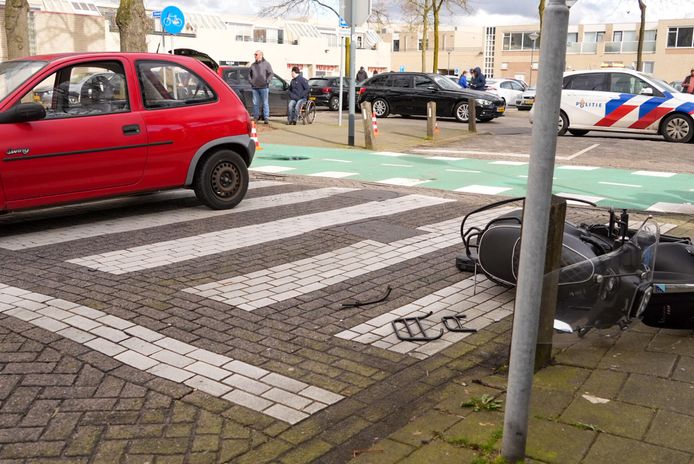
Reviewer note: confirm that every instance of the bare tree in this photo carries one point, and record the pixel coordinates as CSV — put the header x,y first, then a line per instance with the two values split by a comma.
x,y
307,8
17,28
642,32
436,7
541,12
132,23
419,12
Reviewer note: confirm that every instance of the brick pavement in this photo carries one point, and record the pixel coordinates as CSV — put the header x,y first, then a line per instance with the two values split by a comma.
x,y
66,398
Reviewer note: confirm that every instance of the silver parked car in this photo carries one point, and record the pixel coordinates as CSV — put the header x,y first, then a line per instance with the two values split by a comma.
x,y
526,100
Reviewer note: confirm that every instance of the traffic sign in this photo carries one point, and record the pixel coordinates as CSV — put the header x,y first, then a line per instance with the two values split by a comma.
x,y
156,14
172,20
343,23
402,68
362,11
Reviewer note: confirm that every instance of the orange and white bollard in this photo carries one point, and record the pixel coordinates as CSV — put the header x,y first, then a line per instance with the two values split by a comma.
x,y
374,124
254,137
436,128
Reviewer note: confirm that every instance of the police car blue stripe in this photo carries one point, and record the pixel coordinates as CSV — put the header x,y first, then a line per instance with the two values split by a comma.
x,y
650,105
686,107
617,102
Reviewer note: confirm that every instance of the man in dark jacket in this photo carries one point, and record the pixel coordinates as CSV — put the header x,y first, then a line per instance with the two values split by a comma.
x,y
361,75
298,93
260,76
479,81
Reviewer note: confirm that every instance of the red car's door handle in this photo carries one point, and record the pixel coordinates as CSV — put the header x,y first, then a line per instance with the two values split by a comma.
x,y
132,129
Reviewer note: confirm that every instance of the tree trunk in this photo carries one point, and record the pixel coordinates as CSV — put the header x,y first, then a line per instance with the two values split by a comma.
x,y
541,12
425,34
132,24
17,28
642,31
436,8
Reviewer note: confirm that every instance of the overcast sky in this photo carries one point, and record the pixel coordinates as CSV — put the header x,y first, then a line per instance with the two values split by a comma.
x,y
483,12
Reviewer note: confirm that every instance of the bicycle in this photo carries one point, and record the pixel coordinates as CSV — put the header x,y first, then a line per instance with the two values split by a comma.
x,y
307,112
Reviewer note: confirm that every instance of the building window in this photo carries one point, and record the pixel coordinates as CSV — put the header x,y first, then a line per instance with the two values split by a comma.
x,y
396,45
572,37
648,67
680,37
593,37
519,41
419,44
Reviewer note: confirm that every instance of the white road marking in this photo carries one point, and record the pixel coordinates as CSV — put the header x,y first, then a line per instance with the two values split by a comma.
x,y
491,304
128,224
672,208
464,170
620,185
483,189
336,160
271,169
590,198
397,165
445,158
510,163
580,152
389,153
404,181
196,246
653,173
334,174
150,351
268,286
578,168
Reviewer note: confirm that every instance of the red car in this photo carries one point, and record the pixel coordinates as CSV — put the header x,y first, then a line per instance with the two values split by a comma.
x,y
138,122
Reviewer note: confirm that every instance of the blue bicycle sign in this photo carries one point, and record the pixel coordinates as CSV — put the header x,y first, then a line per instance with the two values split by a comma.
x,y
172,20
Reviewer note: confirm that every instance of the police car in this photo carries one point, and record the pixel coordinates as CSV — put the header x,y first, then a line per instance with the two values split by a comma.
x,y
623,100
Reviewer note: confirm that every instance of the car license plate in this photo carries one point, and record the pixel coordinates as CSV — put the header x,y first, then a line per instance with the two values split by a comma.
x,y
311,98
501,109
527,102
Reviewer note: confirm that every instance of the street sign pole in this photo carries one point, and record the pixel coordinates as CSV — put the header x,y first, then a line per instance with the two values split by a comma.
x,y
535,230
352,80
342,73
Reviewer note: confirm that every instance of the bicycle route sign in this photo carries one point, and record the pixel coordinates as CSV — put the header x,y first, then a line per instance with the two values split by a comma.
x,y
172,20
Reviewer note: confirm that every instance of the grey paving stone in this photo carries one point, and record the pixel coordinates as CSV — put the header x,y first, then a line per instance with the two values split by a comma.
x,y
209,357
144,333
248,400
246,369
286,414
174,359
135,359
171,373
321,395
208,386
208,370
246,384
105,346
174,345
284,383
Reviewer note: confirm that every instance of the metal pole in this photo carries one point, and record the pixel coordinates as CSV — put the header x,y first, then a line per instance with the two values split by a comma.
x,y
532,56
534,231
342,72
352,77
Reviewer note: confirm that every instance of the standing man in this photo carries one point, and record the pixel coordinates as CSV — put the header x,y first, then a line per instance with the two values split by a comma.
x,y
298,93
463,79
260,76
479,81
361,75
688,83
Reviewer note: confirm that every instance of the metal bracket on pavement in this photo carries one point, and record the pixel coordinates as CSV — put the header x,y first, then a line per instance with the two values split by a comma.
x,y
415,331
456,323
354,304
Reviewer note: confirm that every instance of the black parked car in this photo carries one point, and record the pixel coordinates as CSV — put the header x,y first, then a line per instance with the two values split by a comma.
x,y
237,78
407,94
324,91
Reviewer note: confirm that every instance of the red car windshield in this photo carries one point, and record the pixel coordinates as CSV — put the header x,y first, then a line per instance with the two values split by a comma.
x,y
15,73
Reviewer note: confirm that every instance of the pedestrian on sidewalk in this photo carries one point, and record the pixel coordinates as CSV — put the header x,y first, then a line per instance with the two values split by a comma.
x,y
361,74
463,80
298,94
260,76
688,83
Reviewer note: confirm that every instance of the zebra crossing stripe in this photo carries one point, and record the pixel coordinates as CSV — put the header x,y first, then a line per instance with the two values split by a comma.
x,y
196,246
28,240
268,286
276,395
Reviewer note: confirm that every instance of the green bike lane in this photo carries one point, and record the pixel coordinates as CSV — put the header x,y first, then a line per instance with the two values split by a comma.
x,y
637,189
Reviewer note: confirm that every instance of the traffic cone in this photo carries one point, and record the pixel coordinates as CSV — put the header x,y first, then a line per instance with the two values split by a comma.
x,y
436,128
254,137
375,125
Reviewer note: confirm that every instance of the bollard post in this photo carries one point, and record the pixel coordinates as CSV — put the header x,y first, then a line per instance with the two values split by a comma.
x,y
535,219
431,120
368,126
472,115
548,304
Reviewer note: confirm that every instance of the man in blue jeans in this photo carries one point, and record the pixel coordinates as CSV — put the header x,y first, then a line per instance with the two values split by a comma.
x,y
298,93
260,76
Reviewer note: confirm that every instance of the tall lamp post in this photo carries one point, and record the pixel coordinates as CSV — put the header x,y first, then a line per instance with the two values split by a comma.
x,y
533,36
